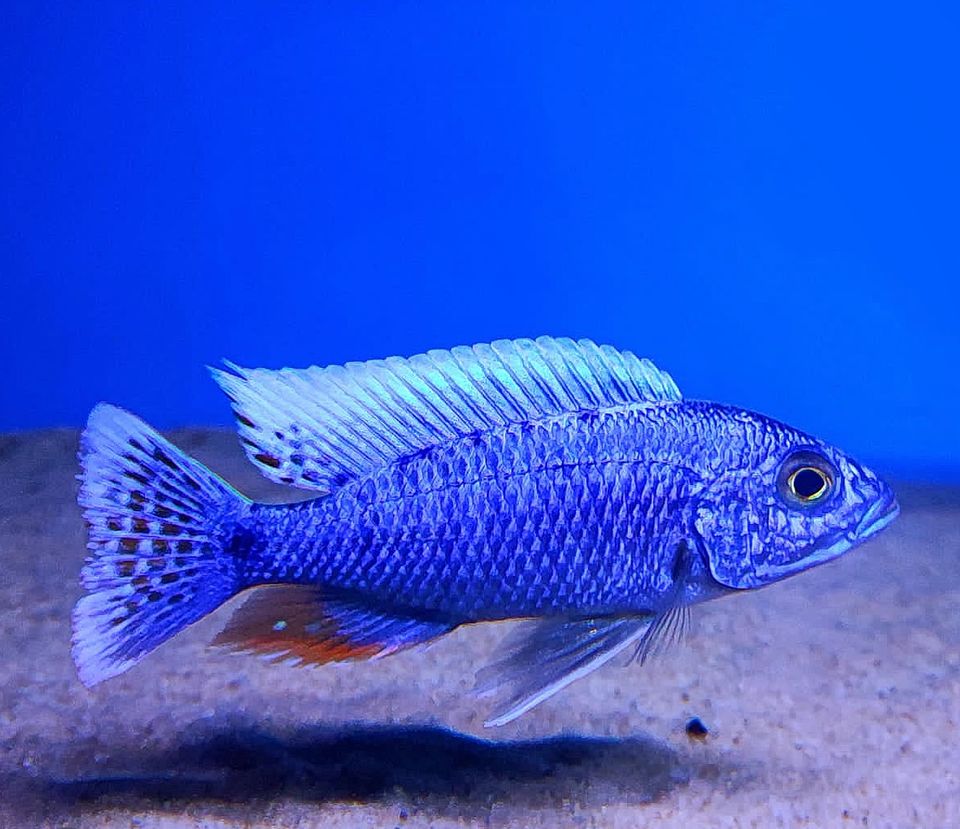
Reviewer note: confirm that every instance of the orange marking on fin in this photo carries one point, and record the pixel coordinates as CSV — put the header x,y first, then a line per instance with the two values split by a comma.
x,y
126,567
267,460
289,621
314,652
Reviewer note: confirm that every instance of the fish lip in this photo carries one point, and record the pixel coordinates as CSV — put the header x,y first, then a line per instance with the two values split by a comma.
x,y
879,515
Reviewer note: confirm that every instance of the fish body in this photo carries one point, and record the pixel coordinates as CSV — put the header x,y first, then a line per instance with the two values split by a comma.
x,y
545,479
571,515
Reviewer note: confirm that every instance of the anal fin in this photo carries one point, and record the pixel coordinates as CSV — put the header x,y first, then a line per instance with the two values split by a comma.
x,y
309,625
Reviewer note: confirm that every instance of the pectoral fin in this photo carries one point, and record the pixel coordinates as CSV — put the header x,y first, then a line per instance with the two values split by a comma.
x,y
667,629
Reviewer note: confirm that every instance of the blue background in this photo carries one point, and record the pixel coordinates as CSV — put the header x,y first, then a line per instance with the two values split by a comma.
x,y
761,199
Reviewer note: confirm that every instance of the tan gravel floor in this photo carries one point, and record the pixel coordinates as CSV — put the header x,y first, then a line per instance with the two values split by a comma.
x,y
832,699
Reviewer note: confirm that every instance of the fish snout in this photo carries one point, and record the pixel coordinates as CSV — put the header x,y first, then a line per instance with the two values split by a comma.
x,y
879,514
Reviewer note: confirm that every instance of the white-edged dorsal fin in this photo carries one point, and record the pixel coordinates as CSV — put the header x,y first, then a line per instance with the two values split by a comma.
x,y
318,428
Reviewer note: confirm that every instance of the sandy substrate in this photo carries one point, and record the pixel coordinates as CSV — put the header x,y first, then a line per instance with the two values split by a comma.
x,y
832,699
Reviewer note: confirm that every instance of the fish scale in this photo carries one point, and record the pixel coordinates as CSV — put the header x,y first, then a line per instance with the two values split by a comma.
x,y
542,506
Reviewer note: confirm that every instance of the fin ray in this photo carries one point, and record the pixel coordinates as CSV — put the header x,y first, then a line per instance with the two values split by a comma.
x,y
668,629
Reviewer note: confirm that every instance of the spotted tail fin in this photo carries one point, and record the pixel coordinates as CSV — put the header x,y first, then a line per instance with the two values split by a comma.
x,y
158,527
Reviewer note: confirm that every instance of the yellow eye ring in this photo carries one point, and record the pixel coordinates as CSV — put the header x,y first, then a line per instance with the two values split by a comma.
x,y
809,484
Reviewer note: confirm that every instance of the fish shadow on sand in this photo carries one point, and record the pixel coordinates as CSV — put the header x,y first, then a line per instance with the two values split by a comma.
x,y
428,767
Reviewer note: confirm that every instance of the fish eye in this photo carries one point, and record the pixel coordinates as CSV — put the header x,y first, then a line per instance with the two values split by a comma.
x,y
808,483
805,478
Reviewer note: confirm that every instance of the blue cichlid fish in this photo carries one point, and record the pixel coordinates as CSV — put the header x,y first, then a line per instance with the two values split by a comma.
x,y
547,479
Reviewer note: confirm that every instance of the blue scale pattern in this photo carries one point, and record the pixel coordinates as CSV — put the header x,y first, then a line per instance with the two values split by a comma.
x,y
581,513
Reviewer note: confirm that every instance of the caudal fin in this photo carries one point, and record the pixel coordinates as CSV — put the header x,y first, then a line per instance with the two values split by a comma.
x,y
158,525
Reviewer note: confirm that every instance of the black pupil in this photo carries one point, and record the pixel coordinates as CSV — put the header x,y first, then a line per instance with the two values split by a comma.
x,y
808,482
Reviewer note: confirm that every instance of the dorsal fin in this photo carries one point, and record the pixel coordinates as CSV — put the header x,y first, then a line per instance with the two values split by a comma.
x,y
318,428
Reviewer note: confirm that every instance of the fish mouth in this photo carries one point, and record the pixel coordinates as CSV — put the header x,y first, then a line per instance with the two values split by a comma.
x,y
877,517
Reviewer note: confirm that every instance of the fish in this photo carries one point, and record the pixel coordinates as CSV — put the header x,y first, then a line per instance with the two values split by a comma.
x,y
560,483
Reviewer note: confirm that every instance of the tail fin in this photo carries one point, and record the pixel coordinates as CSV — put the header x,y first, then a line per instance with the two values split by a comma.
x,y
158,526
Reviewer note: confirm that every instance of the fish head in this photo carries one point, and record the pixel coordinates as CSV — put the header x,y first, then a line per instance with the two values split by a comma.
x,y
784,504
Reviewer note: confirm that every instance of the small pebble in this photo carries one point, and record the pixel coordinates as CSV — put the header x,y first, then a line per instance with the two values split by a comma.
x,y
696,730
